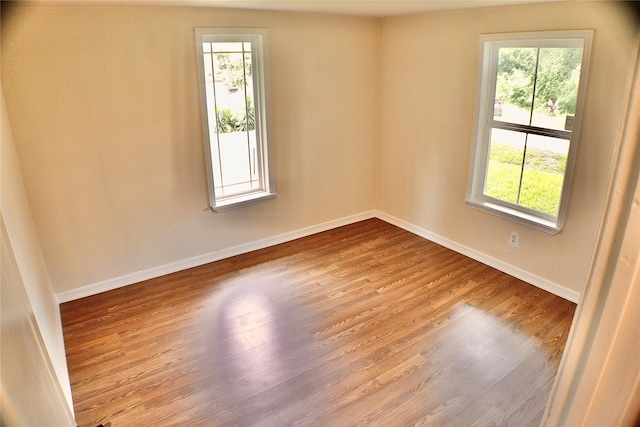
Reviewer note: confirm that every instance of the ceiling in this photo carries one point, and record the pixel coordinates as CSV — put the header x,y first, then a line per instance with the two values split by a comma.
x,y
373,8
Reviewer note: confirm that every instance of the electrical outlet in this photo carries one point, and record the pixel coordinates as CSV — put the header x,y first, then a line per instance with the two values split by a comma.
x,y
514,239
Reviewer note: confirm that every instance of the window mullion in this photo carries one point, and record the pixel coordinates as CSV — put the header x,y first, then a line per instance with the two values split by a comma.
x,y
246,112
524,157
535,130
215,110
258,91
535,84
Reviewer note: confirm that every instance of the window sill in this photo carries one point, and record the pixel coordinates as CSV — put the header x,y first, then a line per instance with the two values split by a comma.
x,y
241,201
521,217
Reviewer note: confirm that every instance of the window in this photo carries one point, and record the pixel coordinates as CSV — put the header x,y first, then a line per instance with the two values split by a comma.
x,y
528,117
233,88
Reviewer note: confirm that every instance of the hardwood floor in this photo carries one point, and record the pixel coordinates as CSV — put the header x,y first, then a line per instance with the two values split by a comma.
x,y
362,325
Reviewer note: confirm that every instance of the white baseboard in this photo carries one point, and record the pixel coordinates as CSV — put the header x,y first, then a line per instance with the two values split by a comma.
x,y
511,270
151,273
173,267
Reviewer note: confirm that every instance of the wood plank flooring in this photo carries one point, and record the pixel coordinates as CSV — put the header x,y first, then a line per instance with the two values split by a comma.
x,y
365,324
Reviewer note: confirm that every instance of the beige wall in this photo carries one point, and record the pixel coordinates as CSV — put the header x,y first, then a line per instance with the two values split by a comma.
x,y
105,110
30,276
427,95
104,104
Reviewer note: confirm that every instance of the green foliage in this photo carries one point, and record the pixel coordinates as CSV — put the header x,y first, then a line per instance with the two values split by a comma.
x,y
516,73
541,191
542,177
502,181
558,73
233,69
504,153
558,76
251,113
512,58
228,121
547,161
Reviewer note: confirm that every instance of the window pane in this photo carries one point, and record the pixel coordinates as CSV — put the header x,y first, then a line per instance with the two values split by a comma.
x,y
227,47
543,175
506,152
236,163
514,85
211,115
234,91
233,136
557,87
529,85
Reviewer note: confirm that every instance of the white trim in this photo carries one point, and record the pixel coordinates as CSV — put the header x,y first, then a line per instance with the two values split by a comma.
x,y
483,123
173,267
521,215
507,268
259,38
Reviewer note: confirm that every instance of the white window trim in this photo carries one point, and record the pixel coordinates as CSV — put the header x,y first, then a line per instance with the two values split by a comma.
x,y
260,58
485,90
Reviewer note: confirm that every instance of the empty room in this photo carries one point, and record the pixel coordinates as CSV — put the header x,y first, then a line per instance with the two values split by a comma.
x,y
320,213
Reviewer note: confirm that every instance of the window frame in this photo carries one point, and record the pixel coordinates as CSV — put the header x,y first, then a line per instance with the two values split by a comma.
x,y
488,47
259,38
